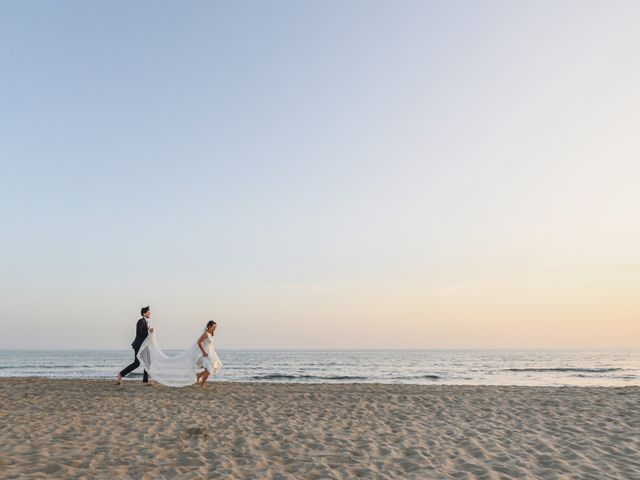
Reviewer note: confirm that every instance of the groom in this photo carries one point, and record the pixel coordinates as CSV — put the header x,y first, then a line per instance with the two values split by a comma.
x,y
143,327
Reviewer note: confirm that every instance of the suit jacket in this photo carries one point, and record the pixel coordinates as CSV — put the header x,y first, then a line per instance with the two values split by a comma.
x,y
142,330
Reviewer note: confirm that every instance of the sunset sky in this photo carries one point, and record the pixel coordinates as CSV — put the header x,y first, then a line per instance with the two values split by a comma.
x,y
321,174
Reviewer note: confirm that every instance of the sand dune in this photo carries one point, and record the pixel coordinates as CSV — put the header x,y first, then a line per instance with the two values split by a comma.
x,y
93,429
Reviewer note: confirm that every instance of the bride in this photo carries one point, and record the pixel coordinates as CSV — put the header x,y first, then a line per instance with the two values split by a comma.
x,y
182,369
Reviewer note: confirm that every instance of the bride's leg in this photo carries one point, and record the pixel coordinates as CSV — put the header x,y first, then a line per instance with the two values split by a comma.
x,y
204,377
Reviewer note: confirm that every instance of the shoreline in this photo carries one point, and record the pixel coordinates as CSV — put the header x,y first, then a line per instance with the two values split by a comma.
x,y
79,428
212,381
433,383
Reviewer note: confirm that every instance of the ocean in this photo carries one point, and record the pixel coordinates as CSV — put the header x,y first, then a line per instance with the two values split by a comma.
x,y
431,367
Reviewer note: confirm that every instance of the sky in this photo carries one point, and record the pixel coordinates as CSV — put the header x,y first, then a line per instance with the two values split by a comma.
x,y
332,174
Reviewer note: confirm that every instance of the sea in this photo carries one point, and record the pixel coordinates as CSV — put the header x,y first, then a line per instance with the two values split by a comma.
x,y
611,368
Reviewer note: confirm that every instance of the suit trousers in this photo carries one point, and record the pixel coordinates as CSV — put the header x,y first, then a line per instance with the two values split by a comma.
x,y
133,366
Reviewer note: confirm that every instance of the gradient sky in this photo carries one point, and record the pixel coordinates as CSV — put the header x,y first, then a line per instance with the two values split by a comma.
x,y
320,174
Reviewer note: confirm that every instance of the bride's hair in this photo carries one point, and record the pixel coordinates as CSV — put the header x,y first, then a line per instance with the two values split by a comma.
x,y
209,323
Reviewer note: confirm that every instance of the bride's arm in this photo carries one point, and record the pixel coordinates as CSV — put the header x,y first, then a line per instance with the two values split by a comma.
x,y
200,340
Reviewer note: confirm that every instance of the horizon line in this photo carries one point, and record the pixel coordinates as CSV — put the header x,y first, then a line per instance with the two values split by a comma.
x,y
326,349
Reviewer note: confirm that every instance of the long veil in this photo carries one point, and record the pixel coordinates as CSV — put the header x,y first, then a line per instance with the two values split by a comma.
x,y
178,370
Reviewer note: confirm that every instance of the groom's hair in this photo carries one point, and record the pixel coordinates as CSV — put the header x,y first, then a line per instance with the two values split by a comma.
x,y
144,310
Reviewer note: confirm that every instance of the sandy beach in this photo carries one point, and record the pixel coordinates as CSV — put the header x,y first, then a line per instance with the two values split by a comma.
x,y
94,429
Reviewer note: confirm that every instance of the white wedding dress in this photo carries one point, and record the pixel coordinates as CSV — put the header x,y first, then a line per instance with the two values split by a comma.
x,y
178,370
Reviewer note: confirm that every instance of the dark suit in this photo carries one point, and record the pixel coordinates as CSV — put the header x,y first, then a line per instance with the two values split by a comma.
x,y
142,331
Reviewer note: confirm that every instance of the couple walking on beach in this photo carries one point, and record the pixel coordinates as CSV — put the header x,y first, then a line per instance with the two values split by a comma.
x,y
174,371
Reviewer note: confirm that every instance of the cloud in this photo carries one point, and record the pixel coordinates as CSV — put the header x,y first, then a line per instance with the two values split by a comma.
x,y
302,287
619,267
477,286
